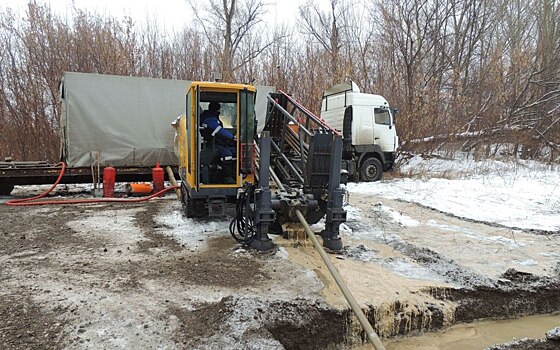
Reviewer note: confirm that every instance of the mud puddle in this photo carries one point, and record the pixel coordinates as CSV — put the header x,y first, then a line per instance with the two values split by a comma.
x,y
479,335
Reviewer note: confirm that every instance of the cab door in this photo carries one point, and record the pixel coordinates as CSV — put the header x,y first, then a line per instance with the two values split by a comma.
x,y
384,129
362,125
192,138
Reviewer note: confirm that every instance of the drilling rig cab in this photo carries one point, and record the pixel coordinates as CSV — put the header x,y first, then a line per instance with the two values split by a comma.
x,y
215,146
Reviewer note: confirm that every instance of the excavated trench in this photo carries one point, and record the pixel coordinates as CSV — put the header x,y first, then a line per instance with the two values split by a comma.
x,y
299,324
471,297
302,324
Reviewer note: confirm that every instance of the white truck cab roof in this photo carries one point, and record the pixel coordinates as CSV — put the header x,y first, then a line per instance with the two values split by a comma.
x,y
348,94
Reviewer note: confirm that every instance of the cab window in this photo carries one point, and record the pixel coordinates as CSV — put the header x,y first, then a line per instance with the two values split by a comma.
x,y
228,106
382,116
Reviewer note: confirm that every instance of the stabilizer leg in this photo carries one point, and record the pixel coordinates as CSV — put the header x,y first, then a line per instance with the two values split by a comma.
x,y
264,215
335,213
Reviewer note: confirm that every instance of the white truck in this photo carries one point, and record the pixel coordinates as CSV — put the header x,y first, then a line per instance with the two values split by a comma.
x,y
367,124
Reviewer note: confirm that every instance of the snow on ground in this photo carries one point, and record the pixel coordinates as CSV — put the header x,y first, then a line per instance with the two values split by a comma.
x,y
476,236
192,233
63,190
520,194
399,218
553,334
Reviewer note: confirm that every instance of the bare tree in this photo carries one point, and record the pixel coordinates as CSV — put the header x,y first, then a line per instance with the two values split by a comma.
x,y
325,28
475,75
226,24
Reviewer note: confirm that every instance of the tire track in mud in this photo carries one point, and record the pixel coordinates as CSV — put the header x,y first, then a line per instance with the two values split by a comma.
x,y
213,266
145,221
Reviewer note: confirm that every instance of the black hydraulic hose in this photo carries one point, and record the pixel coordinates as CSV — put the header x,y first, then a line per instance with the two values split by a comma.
x,y
242,223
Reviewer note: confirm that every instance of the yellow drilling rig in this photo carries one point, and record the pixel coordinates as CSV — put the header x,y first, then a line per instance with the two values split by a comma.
x,y
293,166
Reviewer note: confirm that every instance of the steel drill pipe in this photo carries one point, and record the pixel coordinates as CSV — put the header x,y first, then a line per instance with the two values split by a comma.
x,y
372,336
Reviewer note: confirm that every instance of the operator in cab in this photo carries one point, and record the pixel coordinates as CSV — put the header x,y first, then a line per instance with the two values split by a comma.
x,y
223,141
213,132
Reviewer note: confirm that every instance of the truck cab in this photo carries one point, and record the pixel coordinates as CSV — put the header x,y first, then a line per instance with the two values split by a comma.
x,y
367,125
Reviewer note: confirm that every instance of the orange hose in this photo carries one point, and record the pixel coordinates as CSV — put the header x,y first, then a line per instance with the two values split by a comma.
x,y
27,201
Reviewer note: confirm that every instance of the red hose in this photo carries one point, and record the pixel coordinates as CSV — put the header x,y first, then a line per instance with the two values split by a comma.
x,y
27,201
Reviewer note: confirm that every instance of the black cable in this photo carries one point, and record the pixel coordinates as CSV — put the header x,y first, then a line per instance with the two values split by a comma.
x,y
243,219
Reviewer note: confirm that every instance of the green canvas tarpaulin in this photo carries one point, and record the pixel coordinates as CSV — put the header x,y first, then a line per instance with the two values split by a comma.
x,y
124,121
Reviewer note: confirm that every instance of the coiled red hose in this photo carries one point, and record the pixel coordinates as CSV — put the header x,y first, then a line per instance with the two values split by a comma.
x,y
28,201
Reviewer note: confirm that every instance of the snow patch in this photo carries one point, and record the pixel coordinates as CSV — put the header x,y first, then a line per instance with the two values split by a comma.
x,y
477,236
282,253
403,220
116,226
526,262
553,334
353,213
522,195
402,266
407,268
192,233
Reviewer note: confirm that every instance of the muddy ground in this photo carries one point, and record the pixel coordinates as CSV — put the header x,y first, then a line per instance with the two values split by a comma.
x,y
143,276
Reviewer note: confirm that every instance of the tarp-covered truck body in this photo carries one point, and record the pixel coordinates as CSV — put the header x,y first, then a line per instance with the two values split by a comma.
x,y
120,121
123,121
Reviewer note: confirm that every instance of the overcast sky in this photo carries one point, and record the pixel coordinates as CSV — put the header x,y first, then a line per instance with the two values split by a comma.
x,y
169,13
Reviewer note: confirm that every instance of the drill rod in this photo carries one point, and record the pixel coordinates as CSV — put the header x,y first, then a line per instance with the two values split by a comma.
x,y
372,336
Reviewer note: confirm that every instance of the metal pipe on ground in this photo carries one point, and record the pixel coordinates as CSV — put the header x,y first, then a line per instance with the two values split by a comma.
x,y
372,336
173,181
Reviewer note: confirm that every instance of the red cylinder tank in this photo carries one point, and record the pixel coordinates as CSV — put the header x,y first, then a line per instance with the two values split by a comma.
x,y
158,178
109,176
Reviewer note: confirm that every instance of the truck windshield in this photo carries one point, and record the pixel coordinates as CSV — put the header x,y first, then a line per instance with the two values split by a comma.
x,y
382,116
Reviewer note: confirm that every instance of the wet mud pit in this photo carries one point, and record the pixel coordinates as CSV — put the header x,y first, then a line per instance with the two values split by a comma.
x,y
143,276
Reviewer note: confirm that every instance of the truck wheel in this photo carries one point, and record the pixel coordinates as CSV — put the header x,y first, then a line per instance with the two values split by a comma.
x,y
371,170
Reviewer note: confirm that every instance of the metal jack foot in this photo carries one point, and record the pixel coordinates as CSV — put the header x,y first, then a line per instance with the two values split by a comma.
x,y
262,245
332,243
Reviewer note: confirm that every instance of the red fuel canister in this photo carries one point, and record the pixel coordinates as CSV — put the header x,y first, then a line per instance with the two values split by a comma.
x,y
109,176
158,178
